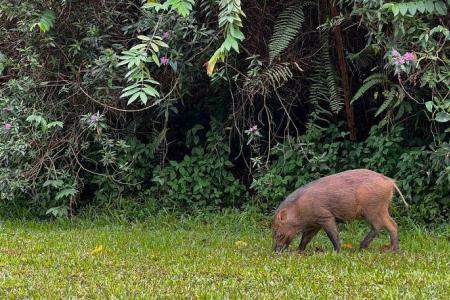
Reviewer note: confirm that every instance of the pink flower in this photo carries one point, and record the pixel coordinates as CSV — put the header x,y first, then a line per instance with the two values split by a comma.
x,y
399,60
7,126
94,118
253,129
165,35
409,56
164,60
395,53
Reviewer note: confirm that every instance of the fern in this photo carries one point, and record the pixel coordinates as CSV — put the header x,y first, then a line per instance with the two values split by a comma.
x,y
325,94
369,82
336,99
45,22
389,98
277,74
262,81
287,26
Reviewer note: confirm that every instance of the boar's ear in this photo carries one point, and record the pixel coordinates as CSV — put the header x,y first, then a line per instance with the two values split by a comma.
x,y
282,216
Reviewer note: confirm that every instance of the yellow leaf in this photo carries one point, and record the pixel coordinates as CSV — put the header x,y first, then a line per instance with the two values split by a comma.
x,y
240,244
97,250
210,67
347,246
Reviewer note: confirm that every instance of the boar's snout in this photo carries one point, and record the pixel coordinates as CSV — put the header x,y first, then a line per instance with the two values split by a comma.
x,y
278,248
280,242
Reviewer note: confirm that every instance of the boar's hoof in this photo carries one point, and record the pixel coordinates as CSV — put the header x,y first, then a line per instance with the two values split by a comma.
x,y
389,248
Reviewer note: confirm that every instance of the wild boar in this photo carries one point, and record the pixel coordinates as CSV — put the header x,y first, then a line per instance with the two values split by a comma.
x,y
345,196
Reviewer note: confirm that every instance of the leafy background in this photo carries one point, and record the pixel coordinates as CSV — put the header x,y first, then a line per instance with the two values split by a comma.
x,y
132,107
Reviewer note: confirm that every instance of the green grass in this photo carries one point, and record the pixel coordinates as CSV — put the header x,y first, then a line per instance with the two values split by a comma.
x,y
225,256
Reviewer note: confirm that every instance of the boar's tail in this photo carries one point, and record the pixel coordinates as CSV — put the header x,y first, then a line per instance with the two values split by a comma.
x,y
400,193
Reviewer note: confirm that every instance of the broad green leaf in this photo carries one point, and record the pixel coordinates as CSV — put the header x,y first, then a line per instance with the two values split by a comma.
x,y
412,8
441,8
45,22
395,9
130,92
144,38
174,65
420,6
429,106
55,124
429,6
161,43
154,47
143,97
442,117
130,87
133,98
236,32
235,45
150,91
155,59
53,183
403,7
148,80
67,192
139,47
151,5
123,62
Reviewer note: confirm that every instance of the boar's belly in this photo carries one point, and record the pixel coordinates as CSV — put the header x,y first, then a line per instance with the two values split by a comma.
x,y
345,209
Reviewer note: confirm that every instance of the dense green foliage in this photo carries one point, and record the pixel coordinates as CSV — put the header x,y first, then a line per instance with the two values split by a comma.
x,y
380,152
201,180
215,256
183,105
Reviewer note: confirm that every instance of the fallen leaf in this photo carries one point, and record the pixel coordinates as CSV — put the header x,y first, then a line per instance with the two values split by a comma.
x,y
347,246
241,244
97,250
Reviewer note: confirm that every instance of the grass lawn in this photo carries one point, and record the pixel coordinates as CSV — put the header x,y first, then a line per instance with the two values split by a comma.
x,y
227,256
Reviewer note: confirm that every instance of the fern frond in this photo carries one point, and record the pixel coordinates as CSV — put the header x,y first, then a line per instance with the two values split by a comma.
x,y
376,76
369,82
287,26
386,103
336,100
325,90
264,80
277,74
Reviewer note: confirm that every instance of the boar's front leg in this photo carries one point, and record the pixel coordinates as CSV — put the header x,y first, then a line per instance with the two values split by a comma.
x,y
306,238
332,232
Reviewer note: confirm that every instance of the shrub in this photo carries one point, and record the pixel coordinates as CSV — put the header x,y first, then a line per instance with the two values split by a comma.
x,y
202,180
323,152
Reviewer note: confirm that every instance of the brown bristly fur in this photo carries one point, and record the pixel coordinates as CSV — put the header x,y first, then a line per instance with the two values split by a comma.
x,y
345,196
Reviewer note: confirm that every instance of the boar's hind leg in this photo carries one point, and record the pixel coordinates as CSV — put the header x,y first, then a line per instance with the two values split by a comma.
x,y
378,221
332,232
369,238
306,238
391,226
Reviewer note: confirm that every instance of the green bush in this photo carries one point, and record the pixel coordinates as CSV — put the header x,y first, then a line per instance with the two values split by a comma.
x,y
202,180
95,100
322,152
